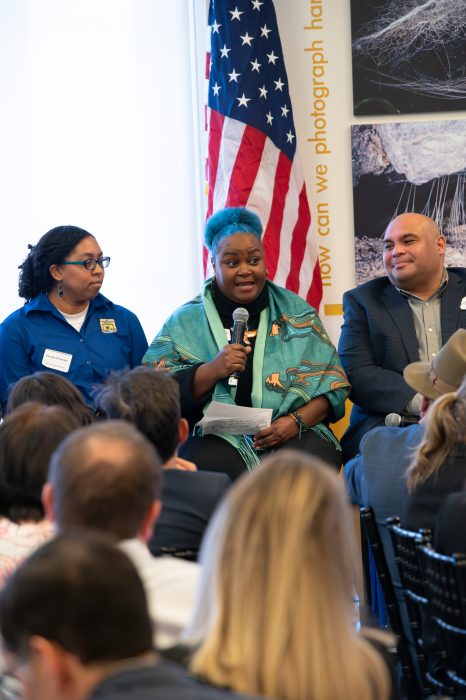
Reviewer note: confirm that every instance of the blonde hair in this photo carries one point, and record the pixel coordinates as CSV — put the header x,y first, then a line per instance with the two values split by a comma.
x,y
445,427
273,614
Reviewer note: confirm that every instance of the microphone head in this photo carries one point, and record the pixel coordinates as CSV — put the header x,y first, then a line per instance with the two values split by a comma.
x,y
393,419
241,315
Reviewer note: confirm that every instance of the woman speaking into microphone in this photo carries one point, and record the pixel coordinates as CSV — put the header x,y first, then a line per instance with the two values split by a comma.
x,y
286,363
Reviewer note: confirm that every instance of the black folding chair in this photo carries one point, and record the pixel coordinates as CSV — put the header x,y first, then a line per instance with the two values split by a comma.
x,y
408,670
445,585
405,545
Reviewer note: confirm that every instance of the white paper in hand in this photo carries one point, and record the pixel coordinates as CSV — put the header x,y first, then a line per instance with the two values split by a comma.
x,y
234,420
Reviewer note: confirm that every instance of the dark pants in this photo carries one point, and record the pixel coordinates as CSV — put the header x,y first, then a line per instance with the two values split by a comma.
x,y
213,454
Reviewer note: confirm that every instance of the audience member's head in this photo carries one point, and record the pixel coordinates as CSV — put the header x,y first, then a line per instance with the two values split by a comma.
x,y
150,400
28,437
445,428
52,390
70,615
106,477
443,374
273,615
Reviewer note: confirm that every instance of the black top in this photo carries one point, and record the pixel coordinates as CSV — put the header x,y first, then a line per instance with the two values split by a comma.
x,y
163,680
188,501
422,505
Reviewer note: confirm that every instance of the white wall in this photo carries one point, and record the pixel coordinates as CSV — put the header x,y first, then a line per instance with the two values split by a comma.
x,y
99,128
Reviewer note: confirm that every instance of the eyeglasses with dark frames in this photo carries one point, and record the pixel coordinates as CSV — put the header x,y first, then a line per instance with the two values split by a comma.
x,y
90,263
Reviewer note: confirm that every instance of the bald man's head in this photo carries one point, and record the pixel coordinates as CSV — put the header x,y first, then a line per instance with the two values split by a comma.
x,y
414,253
105,477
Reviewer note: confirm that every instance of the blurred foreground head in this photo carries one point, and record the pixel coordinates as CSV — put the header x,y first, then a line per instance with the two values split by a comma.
x,y
273,616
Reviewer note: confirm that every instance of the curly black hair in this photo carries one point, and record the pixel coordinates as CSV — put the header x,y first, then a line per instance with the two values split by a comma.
x,y
52,249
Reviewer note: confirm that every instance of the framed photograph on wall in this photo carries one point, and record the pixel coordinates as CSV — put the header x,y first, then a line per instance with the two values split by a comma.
x,y
404,167
409,56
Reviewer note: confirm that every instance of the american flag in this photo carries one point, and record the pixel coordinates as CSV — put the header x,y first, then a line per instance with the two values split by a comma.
x,y
252,159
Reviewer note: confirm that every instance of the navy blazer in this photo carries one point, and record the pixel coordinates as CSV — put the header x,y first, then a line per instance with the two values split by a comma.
x,y
377,341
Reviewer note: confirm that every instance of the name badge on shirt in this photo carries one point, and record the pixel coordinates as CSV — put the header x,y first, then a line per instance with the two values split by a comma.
x,y
54,359
108,325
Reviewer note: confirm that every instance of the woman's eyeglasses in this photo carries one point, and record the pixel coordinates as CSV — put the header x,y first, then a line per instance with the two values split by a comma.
x,y
90,263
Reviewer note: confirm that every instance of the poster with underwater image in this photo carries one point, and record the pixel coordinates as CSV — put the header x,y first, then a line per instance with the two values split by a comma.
x,y
409,56
408,167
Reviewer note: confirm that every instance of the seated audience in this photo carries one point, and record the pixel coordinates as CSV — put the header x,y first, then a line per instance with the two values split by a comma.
x,y
51,390
28,436
273,614
75,626
106,477
439,465
150,400
377,476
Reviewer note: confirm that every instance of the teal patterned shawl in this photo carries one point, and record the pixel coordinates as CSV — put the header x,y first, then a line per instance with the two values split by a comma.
x,y
294,360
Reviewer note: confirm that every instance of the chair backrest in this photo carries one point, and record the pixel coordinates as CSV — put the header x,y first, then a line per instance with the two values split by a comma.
x,y
445,585
430,655
405,543
408,670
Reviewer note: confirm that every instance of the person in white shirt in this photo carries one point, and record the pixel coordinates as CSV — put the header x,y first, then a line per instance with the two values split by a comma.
x,y
107,477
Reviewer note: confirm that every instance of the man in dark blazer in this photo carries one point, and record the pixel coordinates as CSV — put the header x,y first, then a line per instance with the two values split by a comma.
x,y
392,321
150,400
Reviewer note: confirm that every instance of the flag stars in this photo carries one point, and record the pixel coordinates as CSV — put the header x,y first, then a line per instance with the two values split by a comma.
x,y
289,137
224,52
233,76
278,84
256,65
216,88
256,4
285,111
263,92
269,118
272,58
235,14
265,31
243,100
246,39
215,27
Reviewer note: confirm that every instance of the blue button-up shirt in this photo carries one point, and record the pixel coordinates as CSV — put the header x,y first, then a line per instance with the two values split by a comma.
x,y
111,338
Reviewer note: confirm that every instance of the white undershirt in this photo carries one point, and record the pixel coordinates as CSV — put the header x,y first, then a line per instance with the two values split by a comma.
x,y
76,320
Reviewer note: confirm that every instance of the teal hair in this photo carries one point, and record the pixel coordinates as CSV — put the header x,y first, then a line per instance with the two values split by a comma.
x,y
226,222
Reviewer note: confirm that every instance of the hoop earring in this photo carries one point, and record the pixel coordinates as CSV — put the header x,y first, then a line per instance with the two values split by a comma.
x,y
60,290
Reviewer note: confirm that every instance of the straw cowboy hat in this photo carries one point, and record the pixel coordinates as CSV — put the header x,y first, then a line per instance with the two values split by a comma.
x,y
446,371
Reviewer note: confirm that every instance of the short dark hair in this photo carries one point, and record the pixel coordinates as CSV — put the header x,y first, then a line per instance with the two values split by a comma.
x,y
51,249
52,390
28,437
148,398
81,592
107,492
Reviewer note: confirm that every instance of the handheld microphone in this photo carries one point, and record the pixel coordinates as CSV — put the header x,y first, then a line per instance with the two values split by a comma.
x,y
240,325
397,421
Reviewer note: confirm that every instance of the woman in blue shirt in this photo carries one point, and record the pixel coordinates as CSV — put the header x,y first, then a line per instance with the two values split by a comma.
x,y
66,326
